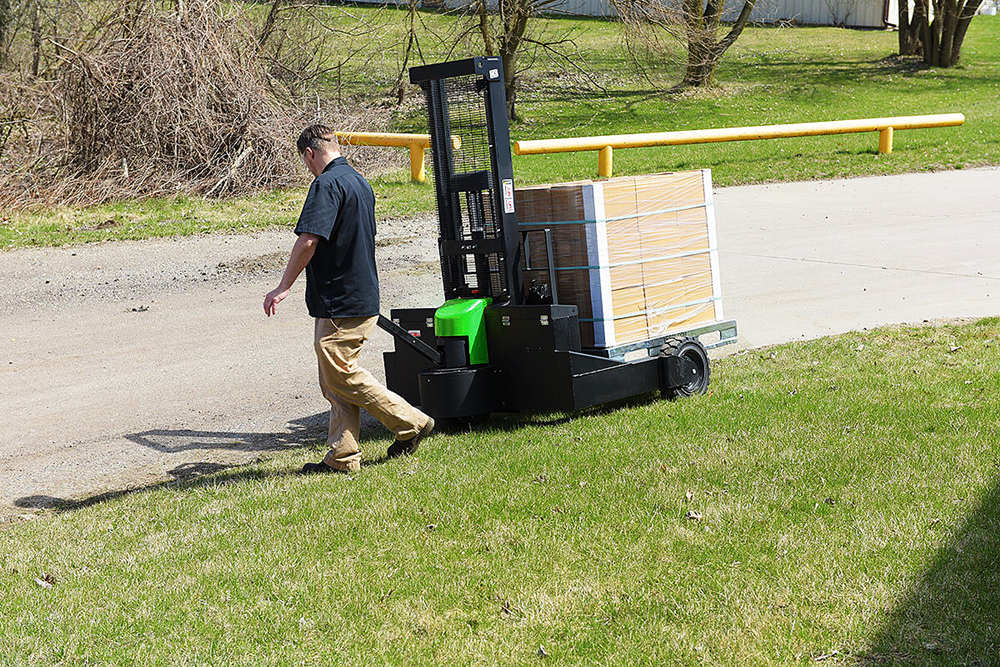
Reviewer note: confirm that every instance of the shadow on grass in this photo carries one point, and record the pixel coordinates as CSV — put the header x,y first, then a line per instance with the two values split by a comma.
x,y
952,614
509,422
892,64
188,476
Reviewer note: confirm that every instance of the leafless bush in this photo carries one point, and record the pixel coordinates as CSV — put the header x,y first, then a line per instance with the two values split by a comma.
x,y
302,45
176,97
158,101
506,28
841,11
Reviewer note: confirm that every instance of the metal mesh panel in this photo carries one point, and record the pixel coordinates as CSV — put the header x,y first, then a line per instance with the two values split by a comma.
x,y
467,116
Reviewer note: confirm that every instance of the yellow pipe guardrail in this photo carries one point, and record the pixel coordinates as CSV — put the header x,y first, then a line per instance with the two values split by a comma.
x,y
417,143
606,145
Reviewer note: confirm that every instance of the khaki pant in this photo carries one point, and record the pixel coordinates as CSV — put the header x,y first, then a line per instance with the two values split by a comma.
x,y
349,387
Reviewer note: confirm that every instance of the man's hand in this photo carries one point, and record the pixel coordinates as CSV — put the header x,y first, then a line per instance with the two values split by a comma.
x,y
302,252
273,298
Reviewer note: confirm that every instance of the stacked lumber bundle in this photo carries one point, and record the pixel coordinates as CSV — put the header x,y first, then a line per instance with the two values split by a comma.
x,y
637,254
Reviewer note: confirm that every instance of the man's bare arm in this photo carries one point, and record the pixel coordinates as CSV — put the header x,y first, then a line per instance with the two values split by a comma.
x,y
302,252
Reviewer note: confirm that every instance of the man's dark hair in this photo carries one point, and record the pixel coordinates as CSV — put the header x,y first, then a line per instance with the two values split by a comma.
x,y
312,136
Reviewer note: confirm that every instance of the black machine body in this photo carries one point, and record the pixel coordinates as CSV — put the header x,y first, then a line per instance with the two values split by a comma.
x,y
536,365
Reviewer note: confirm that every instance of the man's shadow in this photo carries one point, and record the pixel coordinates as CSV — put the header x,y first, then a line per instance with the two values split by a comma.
x,y
302,433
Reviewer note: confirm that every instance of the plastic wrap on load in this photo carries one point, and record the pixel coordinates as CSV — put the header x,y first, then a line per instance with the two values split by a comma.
x,y
637,254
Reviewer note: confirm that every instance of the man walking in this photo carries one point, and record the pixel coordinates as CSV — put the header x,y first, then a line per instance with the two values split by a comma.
x,y
336,247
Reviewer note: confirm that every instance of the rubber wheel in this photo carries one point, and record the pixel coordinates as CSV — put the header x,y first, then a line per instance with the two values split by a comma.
x,y
692,350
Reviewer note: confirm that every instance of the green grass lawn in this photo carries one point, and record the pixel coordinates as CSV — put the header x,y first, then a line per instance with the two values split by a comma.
x,y
847,488
770,76
776,76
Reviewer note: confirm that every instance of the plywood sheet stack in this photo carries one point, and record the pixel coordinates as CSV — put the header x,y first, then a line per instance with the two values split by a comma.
x,y
637,254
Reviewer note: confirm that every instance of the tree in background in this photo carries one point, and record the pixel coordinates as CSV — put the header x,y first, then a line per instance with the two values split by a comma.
x,y
5,19
936,30
504,33
943,35
693,23
30,28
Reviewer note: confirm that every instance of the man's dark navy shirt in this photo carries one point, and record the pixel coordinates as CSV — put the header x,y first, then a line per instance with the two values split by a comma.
x,y
341,280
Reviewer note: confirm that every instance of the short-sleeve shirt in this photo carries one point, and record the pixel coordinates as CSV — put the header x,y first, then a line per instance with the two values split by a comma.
x,y
341,280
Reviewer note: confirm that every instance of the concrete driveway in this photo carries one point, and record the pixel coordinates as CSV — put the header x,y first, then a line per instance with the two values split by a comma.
x,y
803,260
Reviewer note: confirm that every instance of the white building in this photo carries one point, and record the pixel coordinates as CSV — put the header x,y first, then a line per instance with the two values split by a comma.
x,y
876,14
846,13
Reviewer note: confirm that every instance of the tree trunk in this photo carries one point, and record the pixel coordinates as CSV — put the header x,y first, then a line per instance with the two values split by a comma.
x,y
36,37
948,32
515,20
510,85
909,36
5,18
942,37
964,19
268,27
509,40
503,33
701,61
411,40
919,18
694,72
930,35
704,51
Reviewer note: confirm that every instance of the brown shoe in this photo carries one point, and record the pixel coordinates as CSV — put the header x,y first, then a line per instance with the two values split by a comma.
x,y
407,447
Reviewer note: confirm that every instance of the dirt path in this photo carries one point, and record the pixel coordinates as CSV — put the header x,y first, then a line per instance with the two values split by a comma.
x,y
126,364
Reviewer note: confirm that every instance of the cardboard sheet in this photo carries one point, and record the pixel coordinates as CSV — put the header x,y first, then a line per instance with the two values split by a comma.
x,y
636,254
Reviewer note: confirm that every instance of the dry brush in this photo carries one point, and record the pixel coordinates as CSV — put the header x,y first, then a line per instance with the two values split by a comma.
x,y
189,97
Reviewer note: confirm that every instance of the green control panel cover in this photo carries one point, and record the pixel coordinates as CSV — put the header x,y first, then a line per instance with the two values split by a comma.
x,y
465,318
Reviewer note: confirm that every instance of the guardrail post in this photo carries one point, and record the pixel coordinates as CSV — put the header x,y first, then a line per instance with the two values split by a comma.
x,y
885,141
605,161
417,163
